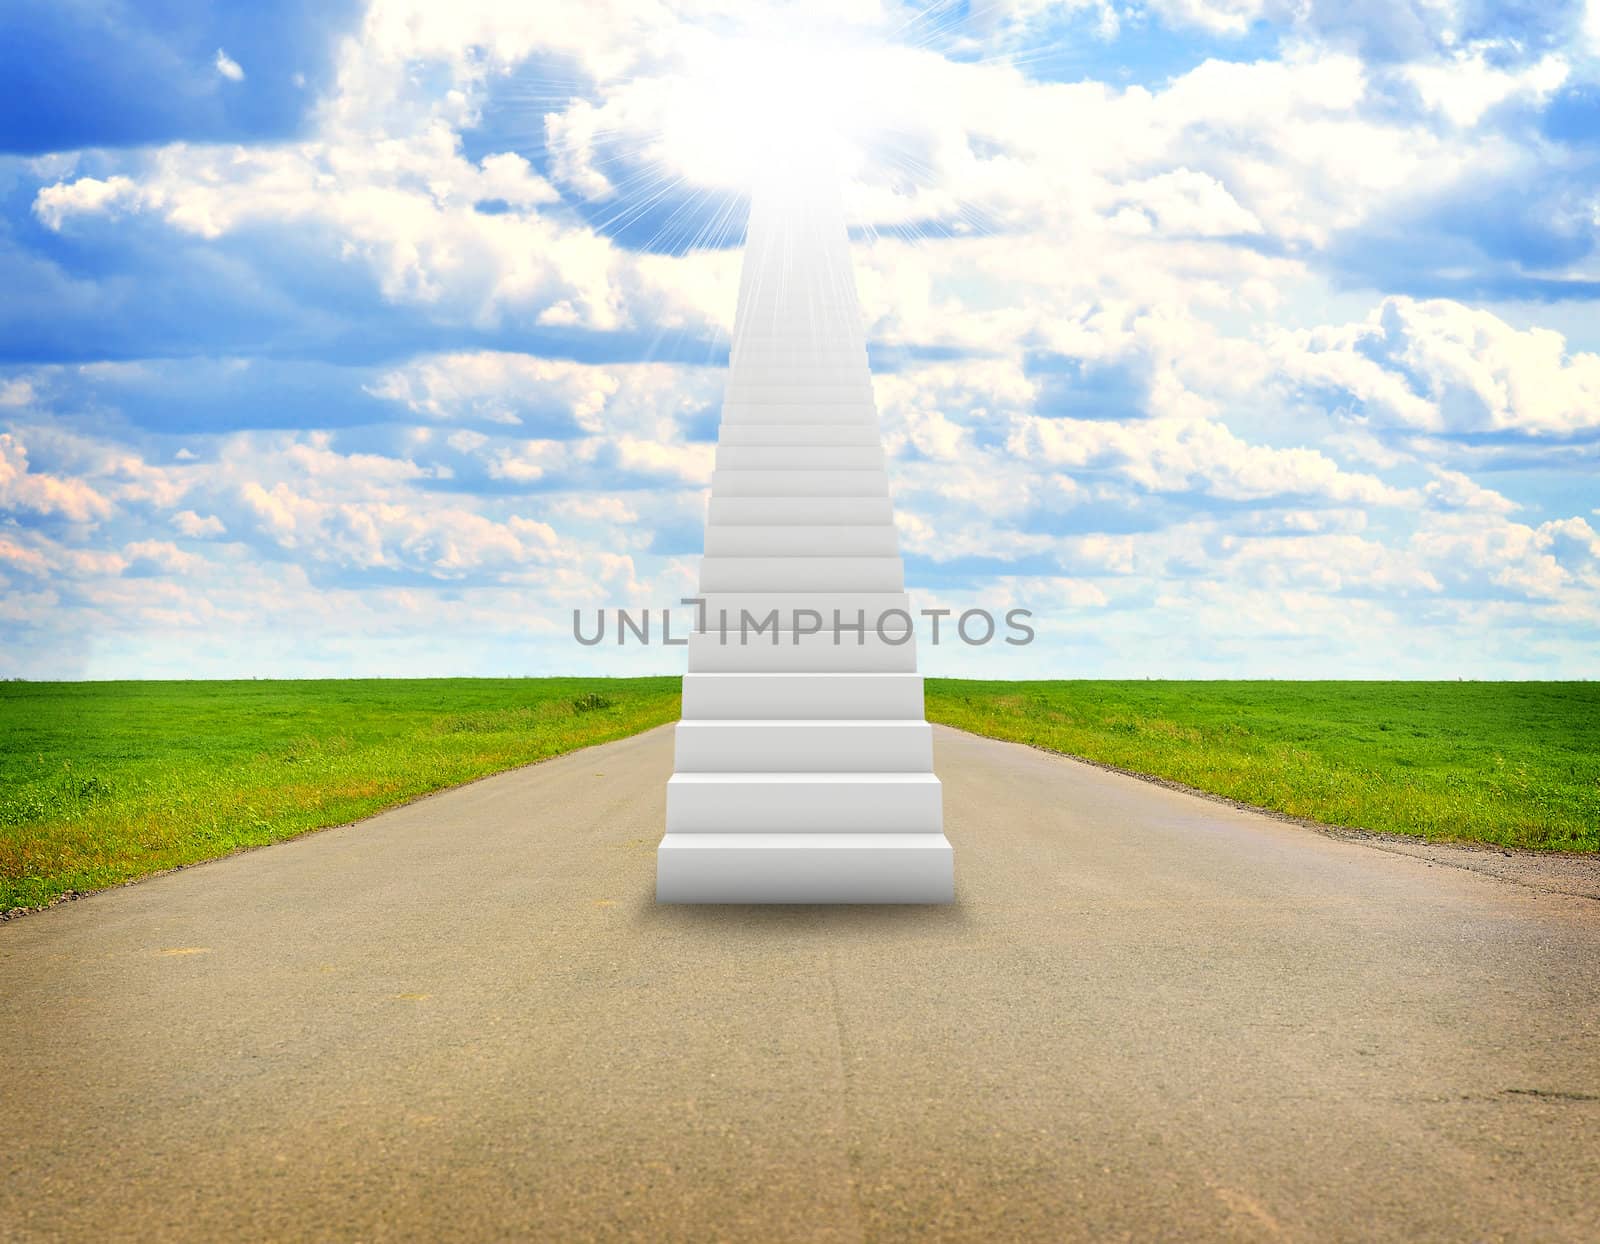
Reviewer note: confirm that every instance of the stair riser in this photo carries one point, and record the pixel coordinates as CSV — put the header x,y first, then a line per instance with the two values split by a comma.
x,y
752,868
830,435
789,747
801,574
796,395
814,654
799,370
823,375
773,339
802,697
766,350
858,414
799,457
814,483
796,511
775,804
871,605
801,541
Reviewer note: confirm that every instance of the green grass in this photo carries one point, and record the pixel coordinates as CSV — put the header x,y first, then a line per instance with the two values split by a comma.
x,y
1513,764
102,782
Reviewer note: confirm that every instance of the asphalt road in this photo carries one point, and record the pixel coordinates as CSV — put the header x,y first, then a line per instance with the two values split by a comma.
x,y
1149,1016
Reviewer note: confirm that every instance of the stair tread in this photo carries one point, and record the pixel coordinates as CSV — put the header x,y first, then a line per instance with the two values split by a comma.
x,y
802,721
800,674
708,777
801,840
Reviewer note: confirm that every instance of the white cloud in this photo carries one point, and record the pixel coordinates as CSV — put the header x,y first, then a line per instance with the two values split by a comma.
x,y
228,67
443,541
196,526
1183,202
596,509
466,441
527,463
1452,490
1223,17
1441,366
501,388
1182,455
17,391
688,464
22,489
1476,550
86,196
162,555
1467,86
1328,563
509,178
404,208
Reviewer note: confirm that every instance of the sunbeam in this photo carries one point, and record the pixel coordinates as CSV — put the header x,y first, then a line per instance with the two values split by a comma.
x,y
667,155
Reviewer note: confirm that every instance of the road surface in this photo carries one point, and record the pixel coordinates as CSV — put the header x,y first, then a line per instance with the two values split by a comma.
x,y
1148,1016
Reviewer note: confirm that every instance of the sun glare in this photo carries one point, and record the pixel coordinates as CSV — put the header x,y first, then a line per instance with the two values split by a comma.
x,y
767,106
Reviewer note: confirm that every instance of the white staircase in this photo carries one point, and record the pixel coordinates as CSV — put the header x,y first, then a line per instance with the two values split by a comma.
x,y
804,767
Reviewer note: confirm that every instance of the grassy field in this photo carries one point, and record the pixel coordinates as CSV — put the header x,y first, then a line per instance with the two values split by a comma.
x,y
1514,764
100,782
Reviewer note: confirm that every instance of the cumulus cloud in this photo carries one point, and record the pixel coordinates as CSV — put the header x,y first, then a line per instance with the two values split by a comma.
x,y
161,556
1386,30
50,495
1492,556
1440,366
197,526
1468,85
511,389
1228,17
404,209
441,541
1197,455
87,196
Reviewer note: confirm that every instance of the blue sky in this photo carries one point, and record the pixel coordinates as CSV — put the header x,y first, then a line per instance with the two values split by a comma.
x,y
1235,338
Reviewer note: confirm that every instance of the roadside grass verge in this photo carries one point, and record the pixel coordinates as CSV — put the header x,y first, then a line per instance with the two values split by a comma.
x,y
104,782
1509,764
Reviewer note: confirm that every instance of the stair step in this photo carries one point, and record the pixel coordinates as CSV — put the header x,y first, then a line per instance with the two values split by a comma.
x,y
774,337
794,351
803,372
801,574
813,394
788,803
822,434
825,482
869,605
804,868
799,457
794,511
797,411
801,540
800,652
818,746
802,697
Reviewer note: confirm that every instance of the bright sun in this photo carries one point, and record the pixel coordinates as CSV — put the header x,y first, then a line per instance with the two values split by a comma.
x,y
767,105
